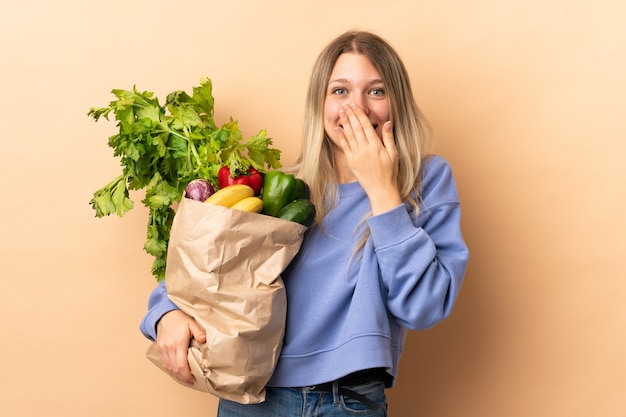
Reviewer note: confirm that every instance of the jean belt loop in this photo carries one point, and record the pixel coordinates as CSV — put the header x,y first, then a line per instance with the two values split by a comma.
x,y
336,392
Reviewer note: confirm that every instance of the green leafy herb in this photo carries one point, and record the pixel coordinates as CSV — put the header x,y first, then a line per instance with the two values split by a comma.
x,y
163,147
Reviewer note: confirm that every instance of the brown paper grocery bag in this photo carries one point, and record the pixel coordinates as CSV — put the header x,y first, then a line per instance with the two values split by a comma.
x,y
223,268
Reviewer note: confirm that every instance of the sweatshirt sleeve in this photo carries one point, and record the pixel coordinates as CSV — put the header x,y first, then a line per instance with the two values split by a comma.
x,y
422,259
158,304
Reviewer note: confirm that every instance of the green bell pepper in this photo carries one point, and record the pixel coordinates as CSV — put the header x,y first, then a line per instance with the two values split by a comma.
x,y
279,189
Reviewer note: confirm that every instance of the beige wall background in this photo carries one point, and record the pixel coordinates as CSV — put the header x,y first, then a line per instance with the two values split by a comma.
x,y
526,99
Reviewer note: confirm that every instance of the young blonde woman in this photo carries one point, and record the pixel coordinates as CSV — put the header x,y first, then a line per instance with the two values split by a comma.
x,y
385,255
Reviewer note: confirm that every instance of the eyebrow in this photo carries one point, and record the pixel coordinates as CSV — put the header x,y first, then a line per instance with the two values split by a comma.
x,y
346,81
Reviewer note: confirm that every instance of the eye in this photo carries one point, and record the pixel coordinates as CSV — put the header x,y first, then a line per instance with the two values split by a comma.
x,y
339,91
377,92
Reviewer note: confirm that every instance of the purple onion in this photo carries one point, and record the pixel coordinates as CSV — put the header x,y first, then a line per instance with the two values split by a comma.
x,y
199,190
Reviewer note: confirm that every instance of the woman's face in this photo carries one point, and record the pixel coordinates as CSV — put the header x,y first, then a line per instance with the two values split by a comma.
x,y
354,80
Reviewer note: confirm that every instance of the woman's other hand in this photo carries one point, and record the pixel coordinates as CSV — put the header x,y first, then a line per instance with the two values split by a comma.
x,y
174,333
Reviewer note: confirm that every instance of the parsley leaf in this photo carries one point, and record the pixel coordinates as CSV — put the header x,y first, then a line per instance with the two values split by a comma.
x,y
163,147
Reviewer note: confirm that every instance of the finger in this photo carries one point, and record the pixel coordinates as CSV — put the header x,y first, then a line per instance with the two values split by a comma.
x,y
360,123
345,124
182,371
174,361
173,356
388,139
389,144
352,126
345,133
197,332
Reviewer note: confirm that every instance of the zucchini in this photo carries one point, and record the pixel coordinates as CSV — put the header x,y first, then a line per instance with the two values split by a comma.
x,y
302,190
300,211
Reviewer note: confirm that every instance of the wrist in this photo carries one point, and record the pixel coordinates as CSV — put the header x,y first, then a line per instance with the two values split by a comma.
x,y
384,200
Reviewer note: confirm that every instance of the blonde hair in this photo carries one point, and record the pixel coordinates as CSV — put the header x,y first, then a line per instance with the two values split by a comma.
x,y
315,164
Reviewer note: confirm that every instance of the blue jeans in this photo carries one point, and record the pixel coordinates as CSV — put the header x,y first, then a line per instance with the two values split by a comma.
x,y
307,402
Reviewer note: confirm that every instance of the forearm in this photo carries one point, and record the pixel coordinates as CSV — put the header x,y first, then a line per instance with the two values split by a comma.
x,y
422,268
158,304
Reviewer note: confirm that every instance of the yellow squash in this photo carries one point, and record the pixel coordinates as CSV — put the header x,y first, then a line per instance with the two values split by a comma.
x,y
230,195
251,204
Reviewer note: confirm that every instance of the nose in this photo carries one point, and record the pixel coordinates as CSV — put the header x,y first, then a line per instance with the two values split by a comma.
x,y
361,102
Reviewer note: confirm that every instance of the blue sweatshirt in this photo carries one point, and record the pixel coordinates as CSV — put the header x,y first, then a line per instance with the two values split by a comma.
x,y
350,311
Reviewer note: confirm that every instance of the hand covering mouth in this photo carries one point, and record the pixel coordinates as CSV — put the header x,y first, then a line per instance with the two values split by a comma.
x,y
374,125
